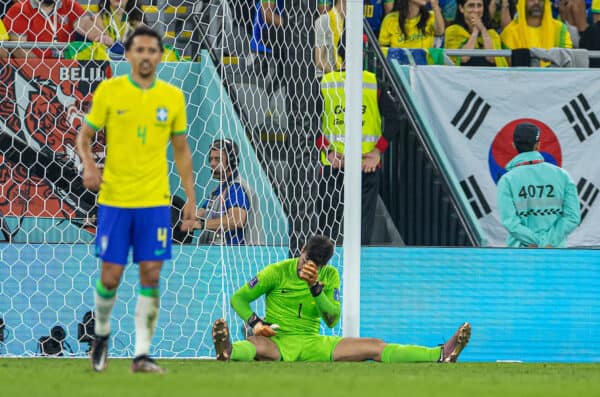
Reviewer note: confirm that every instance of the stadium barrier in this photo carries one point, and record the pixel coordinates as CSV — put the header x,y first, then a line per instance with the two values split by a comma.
x,y
526,305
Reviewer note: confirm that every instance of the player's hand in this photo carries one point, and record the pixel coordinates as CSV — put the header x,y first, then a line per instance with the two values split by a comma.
x,y
188,220
92,177
434,3
261,329
371,160
309,272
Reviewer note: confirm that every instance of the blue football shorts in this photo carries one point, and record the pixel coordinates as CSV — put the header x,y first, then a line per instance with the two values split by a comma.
x,y
147,230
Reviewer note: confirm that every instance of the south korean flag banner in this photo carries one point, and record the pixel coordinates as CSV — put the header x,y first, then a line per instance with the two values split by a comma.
x,y
472,113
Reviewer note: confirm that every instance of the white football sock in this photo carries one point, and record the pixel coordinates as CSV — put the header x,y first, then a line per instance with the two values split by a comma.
x,y
104,308
146,314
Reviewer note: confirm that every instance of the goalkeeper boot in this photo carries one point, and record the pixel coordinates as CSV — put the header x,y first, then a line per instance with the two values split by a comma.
x,y
456,344
99,353
221,340
145,364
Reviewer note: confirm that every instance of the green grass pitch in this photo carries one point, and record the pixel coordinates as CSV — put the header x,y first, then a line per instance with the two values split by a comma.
x,y
185,378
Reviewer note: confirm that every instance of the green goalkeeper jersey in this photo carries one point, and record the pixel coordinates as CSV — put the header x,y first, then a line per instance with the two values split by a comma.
x,y
289,301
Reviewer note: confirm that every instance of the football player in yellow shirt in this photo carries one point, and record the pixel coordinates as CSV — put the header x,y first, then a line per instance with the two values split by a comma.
x,y
140,115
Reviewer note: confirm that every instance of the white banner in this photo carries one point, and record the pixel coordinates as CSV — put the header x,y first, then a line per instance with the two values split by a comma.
x,y
473,111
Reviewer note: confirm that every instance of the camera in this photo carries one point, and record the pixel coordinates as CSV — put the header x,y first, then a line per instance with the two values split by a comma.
x,y
53,345
85,329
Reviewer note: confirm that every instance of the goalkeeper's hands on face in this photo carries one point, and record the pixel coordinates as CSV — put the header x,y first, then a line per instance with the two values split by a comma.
x,y
309,272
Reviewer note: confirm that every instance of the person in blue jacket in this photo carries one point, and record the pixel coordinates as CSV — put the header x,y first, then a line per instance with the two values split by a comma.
x,y
538,201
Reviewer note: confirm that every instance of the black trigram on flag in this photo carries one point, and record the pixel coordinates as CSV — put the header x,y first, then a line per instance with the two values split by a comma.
x,y
475,196
587,195
581,116
471,114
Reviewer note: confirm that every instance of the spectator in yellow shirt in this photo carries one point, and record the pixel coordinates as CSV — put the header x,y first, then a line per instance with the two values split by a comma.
x,y
412,25
534,27
116,18
470,31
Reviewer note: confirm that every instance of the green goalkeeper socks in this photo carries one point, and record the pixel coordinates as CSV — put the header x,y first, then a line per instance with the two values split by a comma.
x,y
243,351
393,353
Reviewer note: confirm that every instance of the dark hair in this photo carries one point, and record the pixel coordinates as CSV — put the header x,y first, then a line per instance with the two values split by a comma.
x,y
143,31
525,136
132,10
319,249
485,18
231,150
402,7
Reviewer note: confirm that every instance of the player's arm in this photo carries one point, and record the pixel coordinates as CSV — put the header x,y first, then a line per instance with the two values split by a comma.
x,y
92,177
183,161
94,121
510,219
325,293
329,304
262,284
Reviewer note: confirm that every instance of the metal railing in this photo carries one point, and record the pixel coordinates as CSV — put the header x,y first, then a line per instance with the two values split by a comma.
x,y
446,190
495,53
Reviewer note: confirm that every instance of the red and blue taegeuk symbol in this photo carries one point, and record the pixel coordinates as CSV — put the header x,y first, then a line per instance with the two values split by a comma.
x,y
502,150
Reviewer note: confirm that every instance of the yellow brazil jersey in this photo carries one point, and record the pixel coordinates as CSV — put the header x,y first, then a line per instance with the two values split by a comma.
x,y
138,124
390,34
596,6
3,33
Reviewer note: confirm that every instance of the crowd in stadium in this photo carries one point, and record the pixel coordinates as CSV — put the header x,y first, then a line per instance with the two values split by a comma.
x,y
452,24
93,35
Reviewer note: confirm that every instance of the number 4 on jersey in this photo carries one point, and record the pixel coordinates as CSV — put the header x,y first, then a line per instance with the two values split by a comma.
x,y
141,133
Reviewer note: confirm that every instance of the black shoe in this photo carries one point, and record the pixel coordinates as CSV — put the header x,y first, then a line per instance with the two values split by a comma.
x,y
99,353
458,341
221,340
145,364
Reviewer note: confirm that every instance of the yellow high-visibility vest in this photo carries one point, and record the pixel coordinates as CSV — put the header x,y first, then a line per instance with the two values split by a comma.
x,y
334,102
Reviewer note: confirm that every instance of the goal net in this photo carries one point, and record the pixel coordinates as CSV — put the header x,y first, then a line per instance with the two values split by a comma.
x,y
264,97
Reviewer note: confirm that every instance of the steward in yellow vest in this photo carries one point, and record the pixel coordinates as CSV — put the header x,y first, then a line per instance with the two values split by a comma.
x,y
330,205
334,101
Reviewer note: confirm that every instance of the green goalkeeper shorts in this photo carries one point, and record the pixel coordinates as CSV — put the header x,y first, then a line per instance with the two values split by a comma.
x,y
306,347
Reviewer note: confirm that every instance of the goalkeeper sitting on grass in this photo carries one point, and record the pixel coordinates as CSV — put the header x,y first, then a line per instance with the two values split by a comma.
x,y
299,292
